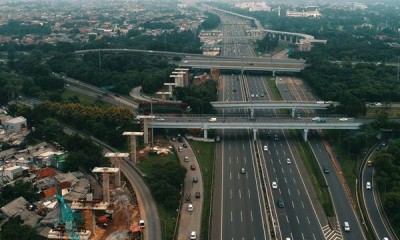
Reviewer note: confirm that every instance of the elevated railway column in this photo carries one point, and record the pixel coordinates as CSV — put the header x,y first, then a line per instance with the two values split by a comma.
x,y
254,134
133,143
293,112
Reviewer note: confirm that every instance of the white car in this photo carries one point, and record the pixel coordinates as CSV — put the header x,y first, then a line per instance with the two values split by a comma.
x,y
190,208
160,119
186,159
288,161
368,185
320,102
213,119
316,118
243,171
274,185
193,235
265,148
343,119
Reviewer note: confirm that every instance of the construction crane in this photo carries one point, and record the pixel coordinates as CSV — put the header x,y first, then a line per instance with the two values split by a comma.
x,y
66,224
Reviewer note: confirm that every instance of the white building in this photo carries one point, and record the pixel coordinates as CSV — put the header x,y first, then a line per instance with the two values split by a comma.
x,y
308,14
15,124
253,6
13,172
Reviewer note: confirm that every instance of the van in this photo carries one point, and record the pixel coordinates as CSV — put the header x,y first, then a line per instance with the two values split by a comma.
x,y
346,226
141,223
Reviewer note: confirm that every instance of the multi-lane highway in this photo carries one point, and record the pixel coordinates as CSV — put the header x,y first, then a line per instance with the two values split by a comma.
x,y
344,208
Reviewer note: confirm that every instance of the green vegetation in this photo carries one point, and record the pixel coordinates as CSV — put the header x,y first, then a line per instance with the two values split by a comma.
x,y
18,189
212,21
276,95
14,228
315,174
165,177
387,165
205,156
198,97
74,97
14,27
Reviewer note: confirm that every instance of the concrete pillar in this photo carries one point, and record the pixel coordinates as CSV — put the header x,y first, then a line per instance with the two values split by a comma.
x,y
133,149
146,131
293,112
251,113
305,132
205,133
273,73
255,134
170,89
106,187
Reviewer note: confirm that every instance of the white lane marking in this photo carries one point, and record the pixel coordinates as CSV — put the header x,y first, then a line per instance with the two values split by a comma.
x,y
298,192
249,193
314,236
302,204
288,191
280,191
230,175
292,204
277,153
231,217
290,170
283,171
302,235
294,180
280,162
287,219
298,221
251,215
230,160
308,220
230,192
245,161
286,181
284,153
241,216
243,146
229,146
240,194
237,160
273,169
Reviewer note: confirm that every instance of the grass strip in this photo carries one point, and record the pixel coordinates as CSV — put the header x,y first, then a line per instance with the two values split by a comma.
x,y
205,154
315,173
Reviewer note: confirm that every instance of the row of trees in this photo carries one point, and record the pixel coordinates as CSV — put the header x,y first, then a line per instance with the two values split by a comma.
x,y
212,21
387,165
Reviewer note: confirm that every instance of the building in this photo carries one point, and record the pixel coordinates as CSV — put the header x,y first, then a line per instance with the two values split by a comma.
x,y
307,14
15,124
13,172
19,207
253,6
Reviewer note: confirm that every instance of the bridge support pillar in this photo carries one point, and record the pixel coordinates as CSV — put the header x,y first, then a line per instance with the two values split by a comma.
x,y
255,134
305,133
205,133
146,131
252,113
273,73
293,112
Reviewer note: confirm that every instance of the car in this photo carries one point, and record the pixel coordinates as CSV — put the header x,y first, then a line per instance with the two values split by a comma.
x,y
170,147
141,223
252,95
234,90
192,167
276,137
193,235
316,119
190,208
197,194
213,119
160,119
261,95
242,171
256,94
188,197
288,161
320,102
368,185
346,226
265,148
326,170
173,139
195,179
184,145
186,159
180,149
274,185
385,238
281,204
343,119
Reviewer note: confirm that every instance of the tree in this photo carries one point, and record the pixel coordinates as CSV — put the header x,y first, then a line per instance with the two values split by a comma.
x,y
18,189
15,229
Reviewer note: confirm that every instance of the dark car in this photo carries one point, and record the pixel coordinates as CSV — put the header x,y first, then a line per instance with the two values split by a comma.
x,y
326,170
195,179
192,167
184,145
187,197
197,195
281,204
